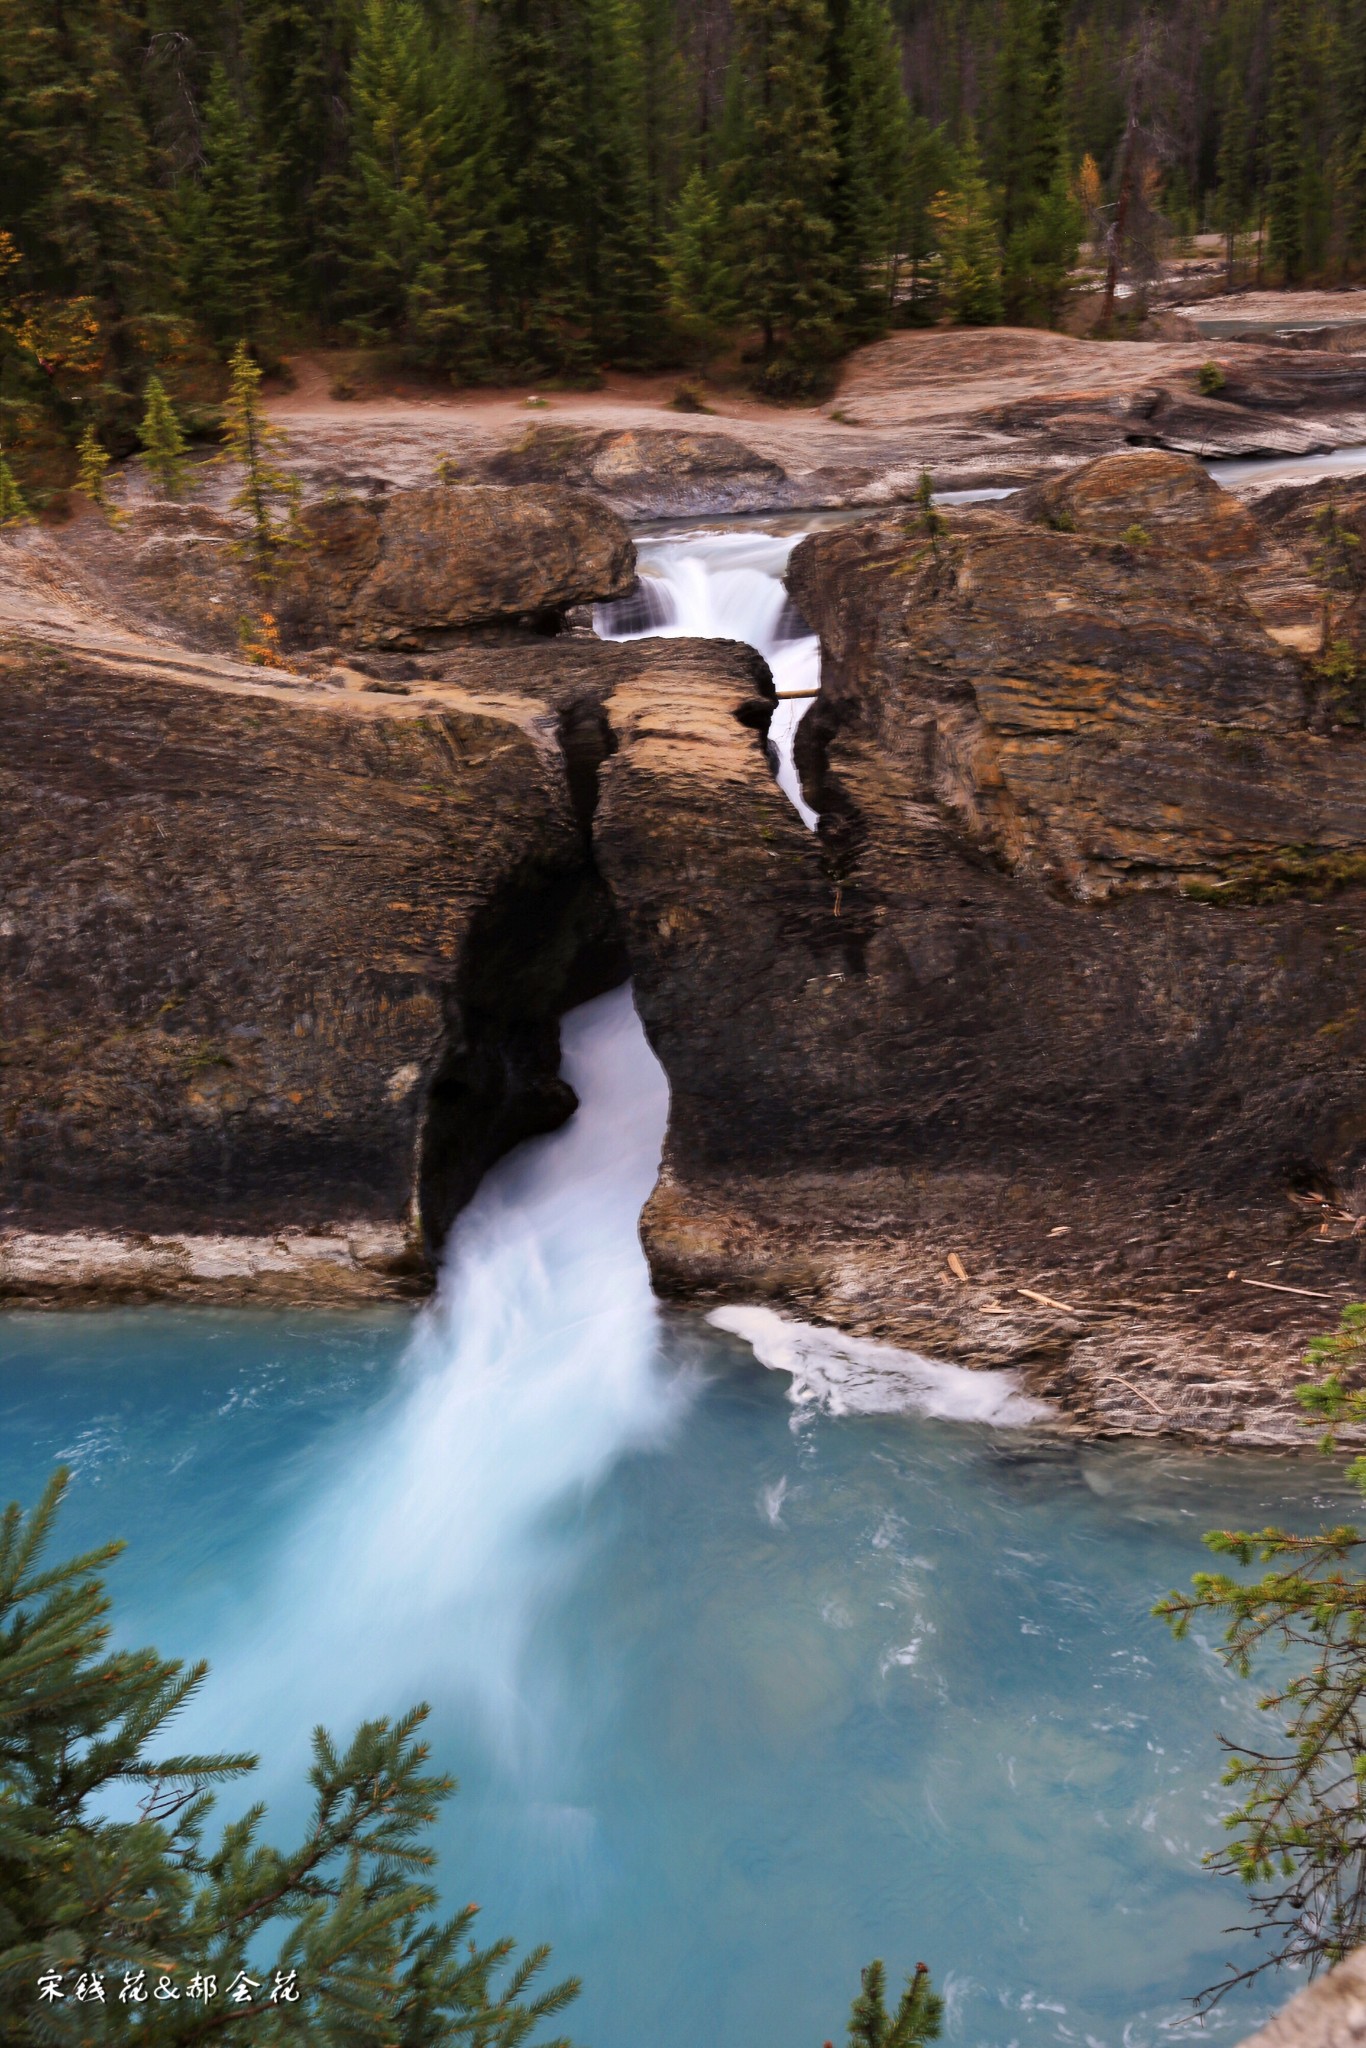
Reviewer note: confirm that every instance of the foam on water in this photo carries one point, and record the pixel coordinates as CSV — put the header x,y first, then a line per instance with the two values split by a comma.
x,y
856,1376
728,586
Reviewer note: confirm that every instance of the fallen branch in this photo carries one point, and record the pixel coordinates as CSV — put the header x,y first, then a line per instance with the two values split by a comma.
x,y
1129,1387
1275,1287
1048,1302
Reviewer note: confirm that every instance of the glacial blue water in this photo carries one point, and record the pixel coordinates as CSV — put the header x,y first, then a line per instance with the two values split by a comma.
x,y
740,1693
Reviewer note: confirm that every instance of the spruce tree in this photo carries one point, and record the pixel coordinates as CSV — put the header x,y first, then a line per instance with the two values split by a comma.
x,y
231,253
1015,115
1351,121
969,253
1042,252
783,180
625,284
13,510
1041,220
79,170
919,2016
339,1928
92,460
267,494
416,222
1232,170
163,444
297,56
871,123
699,266
1296,1836
929,170
1285,155
539,275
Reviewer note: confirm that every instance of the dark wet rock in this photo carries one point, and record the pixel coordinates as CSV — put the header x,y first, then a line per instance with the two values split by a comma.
x,y
647,471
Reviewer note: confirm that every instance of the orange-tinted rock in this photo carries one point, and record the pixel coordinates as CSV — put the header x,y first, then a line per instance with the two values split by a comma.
x,y
1171,497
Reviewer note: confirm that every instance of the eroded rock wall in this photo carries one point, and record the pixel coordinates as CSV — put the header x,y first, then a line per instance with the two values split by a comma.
x,y
1070,986
255,936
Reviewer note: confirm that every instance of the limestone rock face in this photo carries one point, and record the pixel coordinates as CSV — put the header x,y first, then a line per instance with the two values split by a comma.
x,y
277,957
419,562
1069,985
1092,714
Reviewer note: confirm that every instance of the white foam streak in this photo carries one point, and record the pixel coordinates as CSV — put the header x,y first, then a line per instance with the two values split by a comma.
x,y
856,1376
727,586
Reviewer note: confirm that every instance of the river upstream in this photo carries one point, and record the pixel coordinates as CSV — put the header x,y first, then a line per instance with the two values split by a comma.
x,y
747,1679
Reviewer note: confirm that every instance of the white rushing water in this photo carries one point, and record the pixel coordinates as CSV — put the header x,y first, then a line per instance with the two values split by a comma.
x,y
1284,469
728,586
446,1523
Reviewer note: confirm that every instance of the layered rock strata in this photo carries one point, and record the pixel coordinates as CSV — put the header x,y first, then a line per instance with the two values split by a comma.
x,y
1052,1050
1049,1050
281,965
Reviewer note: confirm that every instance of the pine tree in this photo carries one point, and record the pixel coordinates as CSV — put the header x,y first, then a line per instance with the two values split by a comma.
x,y
163,444
92,460
13,510
79,171
1285,155
623,275
919,2016
1232,172
539,275
871,123
783,180
416,220
267,494
231,251
148,1900
969,253
699,266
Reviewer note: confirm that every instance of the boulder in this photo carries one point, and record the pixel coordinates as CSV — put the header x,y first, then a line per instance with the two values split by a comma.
x,y
1172,498
401,568
397,568
647,471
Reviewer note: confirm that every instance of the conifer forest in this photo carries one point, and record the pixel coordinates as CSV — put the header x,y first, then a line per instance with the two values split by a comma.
x,y
497,189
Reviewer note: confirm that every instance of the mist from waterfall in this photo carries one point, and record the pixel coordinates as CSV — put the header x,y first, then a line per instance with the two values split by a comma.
x,y
728,586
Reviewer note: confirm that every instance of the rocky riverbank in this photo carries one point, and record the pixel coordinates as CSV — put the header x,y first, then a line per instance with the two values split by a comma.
x,y
1047,1051
978,408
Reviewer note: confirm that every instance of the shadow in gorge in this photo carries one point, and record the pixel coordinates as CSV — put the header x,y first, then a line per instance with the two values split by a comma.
x,y
545,944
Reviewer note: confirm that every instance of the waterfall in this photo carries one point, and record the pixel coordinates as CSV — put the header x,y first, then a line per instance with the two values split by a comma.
x,y
728,586
430,1538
